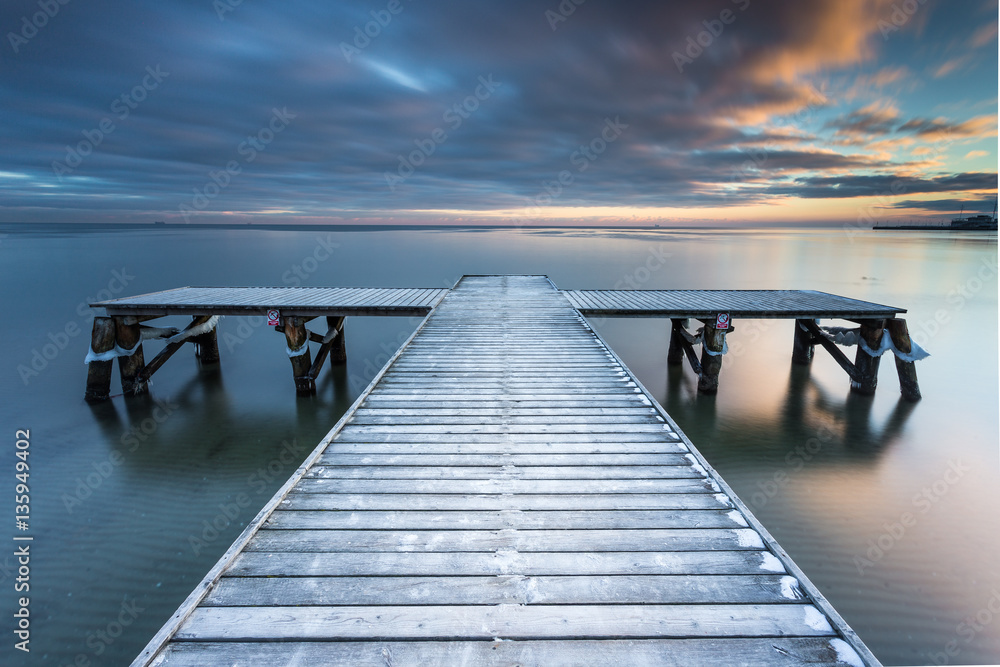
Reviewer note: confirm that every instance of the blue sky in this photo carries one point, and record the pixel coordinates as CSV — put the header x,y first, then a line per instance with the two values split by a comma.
x,y
395,111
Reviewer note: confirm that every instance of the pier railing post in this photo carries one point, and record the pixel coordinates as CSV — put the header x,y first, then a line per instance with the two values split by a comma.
x,y
803,347
675,353
713,343
906,370
297,338
128,336
865,364
338,353
99,372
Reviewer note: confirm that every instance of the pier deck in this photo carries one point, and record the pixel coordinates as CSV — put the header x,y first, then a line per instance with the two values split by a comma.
x,y
505,491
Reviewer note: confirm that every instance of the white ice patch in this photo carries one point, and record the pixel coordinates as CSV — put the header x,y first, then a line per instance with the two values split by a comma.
x,y
299,352
816,620
645,400
723,498
110,354
749,538
681,446
737,517
769,562
790,588
694,464
916,352
846,653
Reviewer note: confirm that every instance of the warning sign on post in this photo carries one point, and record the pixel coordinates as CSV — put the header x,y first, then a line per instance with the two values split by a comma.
x,y
722,321
273,318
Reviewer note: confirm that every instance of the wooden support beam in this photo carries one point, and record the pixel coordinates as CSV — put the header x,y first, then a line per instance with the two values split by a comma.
x,y
128,336
803,346
169,349
675,352
102,339
867,365
338,354
713,340
832,348
687,343
297,338
906,370
326,344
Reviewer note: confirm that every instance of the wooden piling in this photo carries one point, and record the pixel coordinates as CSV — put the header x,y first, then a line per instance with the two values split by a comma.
x,y
865,364
128,336
713,340
675,352
803,346
297,337
906,370
207,347
338,353
102,339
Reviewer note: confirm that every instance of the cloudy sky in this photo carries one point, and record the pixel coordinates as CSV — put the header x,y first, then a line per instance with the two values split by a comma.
x,y
820,111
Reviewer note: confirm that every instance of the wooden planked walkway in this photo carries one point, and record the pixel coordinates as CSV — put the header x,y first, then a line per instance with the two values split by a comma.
x,y
505,492
790,304
290,301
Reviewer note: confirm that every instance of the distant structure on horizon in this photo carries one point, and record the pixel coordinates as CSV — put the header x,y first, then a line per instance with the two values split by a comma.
x,y
973,223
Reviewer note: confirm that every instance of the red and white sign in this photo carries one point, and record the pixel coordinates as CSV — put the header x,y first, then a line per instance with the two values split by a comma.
x,y
722,321
273,318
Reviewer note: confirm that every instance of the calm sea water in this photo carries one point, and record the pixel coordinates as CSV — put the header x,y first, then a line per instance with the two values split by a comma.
x,y
123,494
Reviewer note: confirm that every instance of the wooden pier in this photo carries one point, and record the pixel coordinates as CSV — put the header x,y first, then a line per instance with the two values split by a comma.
x,y
505,492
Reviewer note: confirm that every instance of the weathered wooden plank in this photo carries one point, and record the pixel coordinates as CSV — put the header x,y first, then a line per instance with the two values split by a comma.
x,y
664,539
504,589
686,471
509,448
434,564
504,519
736,651
510,438
507,621
498,502
487,486
442,460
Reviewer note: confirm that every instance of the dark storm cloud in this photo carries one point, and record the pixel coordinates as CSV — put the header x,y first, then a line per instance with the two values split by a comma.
x,y
885,185
86,129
